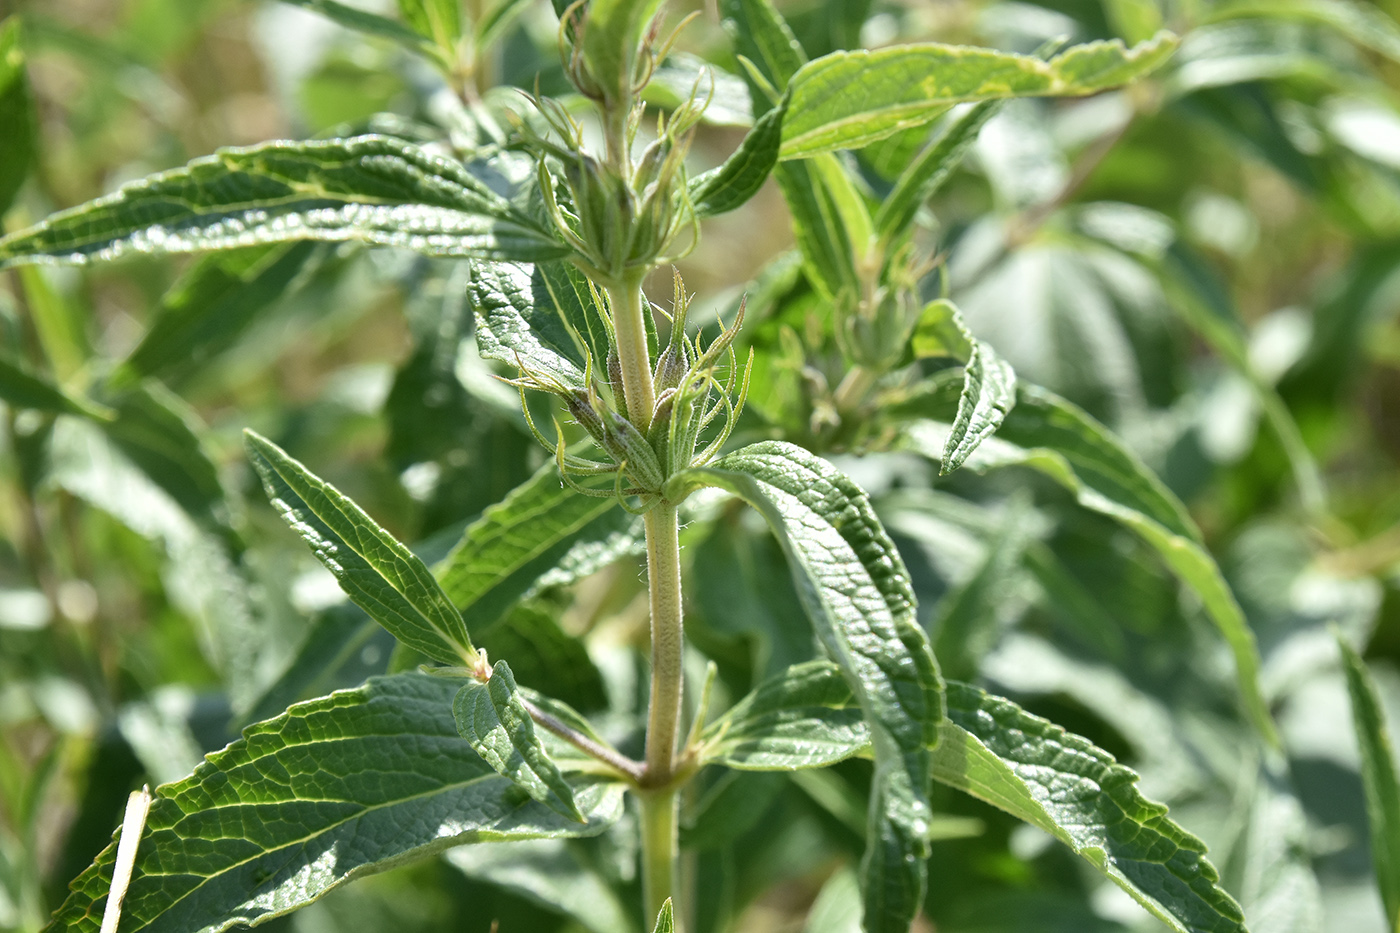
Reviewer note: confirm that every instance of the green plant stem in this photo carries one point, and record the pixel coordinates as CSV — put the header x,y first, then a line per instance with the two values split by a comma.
x,y
667,642
660,850
629,327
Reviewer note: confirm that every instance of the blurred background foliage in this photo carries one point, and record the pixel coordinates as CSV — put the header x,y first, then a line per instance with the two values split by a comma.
x,y
1208,262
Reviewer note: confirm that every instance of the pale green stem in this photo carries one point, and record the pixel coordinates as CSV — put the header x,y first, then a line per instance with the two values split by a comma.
x,y
660,850
628,306
667,641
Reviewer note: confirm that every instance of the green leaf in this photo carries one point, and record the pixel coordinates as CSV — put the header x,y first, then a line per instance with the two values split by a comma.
x,y
803,718
552,872
544,654
541,316
20,141
20,388
439,20
1378,777
611,39
831,223
372,24
334,788
383,577
1048,434
989,382
209,307
732,184
1363,24
162,435
665,921
966,625
504,552
372,189
930,169
857,593
847,100
762,36
494,24
1061,783
493,717
1036,771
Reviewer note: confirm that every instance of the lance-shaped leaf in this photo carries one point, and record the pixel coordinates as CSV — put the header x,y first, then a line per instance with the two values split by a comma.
x,y
1378,777
989,382
20,388
1063,784
1025,765
804,717
857,593
931,168
665,920
372,24
504,552
381,575
17,116
334,788
372,189
492,716
209,307
732,184
540,317
846,100
1048,434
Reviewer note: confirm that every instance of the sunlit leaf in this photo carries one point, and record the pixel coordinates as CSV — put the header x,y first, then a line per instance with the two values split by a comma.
x,y
1048,434
382,576
332,789
372,189
857,593
493,717
1378,777
850,99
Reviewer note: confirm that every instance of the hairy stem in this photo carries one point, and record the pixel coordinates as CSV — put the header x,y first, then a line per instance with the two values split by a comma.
x,y
628,306
660,850
667,641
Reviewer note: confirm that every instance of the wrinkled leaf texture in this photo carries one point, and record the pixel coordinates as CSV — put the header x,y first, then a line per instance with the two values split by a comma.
x,y
996,751
857,593
334,788
372,189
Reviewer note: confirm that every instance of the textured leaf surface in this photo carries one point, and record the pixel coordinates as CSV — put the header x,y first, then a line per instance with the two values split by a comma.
x,y
856,591
1378,777
524,316
1034,770
504,552
803,718
383,577
20,388
1048,434
493,718
1038,772
665,921
334,788
851,99
373,189
989,382
732,184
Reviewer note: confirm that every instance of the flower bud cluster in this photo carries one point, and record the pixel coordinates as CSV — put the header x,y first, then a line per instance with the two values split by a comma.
x,y
690,400
874,330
